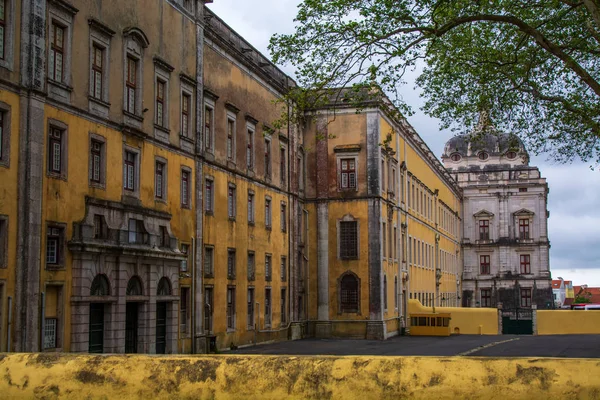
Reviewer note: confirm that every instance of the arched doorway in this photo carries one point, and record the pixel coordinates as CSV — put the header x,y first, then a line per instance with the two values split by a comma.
x,y
100,287
134,288
164,289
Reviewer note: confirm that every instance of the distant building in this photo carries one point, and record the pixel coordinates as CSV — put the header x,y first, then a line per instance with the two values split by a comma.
x,y
558,292
505,230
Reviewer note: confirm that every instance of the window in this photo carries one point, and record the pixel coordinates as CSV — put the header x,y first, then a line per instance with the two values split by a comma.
x,y
208,128
160,102
396,292
100,228
455,157
395,244
268,307
483,156
185,250
208,308
525,297
208,196
50,325
159,180
97,71
3,33
250,301
129,172
231,200
484,229
183,310
96,162
251,208
385,296
348,173
230,138
186,104
55,150
136,231
268,213
382,176
131,85
383,240
230,308
484,265
282,169
393,183
54,246
349,295
251,266
268,158
268,268
283,272
486,297
185,189
283,306
208,261
3,241
250,150
522,190
3,133
349,240
230,263
525,264
164,239
283,217
523,228
57,52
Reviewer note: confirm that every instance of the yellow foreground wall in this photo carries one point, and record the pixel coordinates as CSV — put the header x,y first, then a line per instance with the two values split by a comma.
x,y
566,322
468,321
73,376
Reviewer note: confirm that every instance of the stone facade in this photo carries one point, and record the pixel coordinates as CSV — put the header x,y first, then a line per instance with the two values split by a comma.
x,y
505,230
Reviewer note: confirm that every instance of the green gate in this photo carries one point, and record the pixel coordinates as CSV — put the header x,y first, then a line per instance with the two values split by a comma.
x,y
517,321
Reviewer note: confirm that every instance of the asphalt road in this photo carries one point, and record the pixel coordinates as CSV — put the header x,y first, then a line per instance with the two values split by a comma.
x,y
576,346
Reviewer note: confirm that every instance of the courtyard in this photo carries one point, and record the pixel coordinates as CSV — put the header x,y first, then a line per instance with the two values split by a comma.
x,y
568,346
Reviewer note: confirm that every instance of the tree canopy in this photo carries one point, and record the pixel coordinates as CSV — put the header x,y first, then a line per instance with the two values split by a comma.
x,y
532,65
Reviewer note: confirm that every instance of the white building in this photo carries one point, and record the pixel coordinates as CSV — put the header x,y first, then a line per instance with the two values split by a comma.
x,y
505,231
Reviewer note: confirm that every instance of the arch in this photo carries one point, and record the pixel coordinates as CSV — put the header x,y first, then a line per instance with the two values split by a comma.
x,y
100,286
134,286
138,35
164,287
349,293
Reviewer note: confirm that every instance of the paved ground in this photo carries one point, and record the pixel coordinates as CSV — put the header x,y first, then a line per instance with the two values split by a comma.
x,y
584,346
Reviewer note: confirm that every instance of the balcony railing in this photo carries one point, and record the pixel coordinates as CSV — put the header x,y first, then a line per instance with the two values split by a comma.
x,y
122,237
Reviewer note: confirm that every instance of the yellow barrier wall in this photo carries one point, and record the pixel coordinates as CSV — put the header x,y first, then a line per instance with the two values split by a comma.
x,y
71,376
566,322
468,321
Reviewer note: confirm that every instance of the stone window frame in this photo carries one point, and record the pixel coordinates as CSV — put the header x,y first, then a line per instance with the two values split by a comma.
x,y
162,73
59,318
251,268
283,216
185,309
268,317
523,214
9,33
210,104
338,161
187,88
100,36
480,264
251,207
94,137
268,161
134,44
4,230
6,111
339,294
64,149
231,326
481,297
61,247
165,179
268,267
480,216
63,14
250,157
251,310
188,198
231,201
348,218
269,215
283,164
284,267
137,173
211,273
209,210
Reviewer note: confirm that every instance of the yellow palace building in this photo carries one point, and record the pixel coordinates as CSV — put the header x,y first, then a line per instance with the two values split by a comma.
x,y
149,204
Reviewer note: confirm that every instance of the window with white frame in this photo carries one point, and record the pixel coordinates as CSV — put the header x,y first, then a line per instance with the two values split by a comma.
x,y
130,163
186,184
97,161
57,150
100,40
347,173
209,195
161,103
55,252
57,51
160,174
186,114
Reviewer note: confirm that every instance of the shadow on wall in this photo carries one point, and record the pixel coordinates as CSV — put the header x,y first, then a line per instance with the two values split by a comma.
x,y
465,321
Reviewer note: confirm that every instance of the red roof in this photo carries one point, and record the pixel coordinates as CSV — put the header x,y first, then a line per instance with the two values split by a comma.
x,y
556,284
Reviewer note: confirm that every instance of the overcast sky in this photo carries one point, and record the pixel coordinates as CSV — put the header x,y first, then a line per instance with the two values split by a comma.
x,y
574,200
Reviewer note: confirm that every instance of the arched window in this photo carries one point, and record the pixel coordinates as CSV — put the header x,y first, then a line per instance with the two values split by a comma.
x,y
100,286
134,287
164,287
385,303
349,294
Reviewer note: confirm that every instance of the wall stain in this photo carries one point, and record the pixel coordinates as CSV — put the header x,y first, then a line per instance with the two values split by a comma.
x,y
543,375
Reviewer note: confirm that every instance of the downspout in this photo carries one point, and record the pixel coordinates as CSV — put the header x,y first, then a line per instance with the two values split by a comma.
x,y
193,291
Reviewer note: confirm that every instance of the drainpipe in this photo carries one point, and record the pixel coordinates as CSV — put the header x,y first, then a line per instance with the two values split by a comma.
x,y
193,295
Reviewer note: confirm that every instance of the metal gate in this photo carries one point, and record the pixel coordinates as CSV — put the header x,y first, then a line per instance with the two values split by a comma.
x,y
96,335
161,328
517,321
131,328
